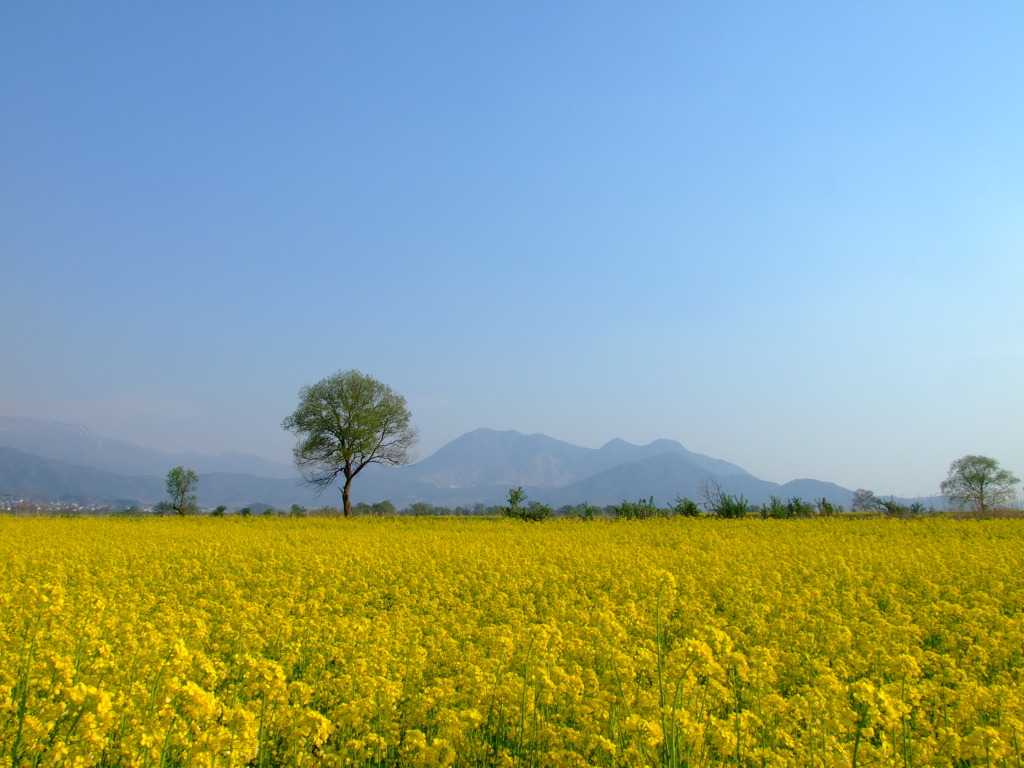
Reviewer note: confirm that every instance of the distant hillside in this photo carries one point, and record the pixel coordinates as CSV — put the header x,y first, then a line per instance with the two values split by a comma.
x,y
78,445
478,467
482,465
24,476
489,457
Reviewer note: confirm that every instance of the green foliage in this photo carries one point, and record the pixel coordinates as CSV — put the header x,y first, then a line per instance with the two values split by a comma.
x,y
893,508
979,483
181,487
344,423
721,504
516,496
685,507
799,508
644,509
732,507
584,511
219,511
534,511
775,509
245,512
826,508
383,508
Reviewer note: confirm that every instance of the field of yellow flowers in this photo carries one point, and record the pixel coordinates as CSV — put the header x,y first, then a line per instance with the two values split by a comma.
x,y
467,642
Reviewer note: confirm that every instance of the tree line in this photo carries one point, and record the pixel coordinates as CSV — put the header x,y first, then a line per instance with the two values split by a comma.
x,y
349,420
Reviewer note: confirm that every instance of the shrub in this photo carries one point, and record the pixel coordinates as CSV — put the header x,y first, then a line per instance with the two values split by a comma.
x,y
534,512
582,511
775,509
826,508
686,507
799,508
893,508
643,509
732,507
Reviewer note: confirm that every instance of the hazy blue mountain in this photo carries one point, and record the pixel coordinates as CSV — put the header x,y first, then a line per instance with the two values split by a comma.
x,y
618,451
491,457
662,476
24,476
236,491
668,475
75,444
809,490
479,466
482,465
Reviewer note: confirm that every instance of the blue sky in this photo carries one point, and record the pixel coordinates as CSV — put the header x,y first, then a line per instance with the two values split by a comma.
x,y
789,235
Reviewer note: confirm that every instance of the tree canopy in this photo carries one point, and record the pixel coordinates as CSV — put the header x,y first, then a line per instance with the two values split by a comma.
x,y
979,483
181,487
344,423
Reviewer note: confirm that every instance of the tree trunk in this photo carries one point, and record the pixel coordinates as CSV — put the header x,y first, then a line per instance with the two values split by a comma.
x,y
345,499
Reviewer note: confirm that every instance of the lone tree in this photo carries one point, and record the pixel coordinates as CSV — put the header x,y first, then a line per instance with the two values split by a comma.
x,y
979,483
181,487
344,423
864,500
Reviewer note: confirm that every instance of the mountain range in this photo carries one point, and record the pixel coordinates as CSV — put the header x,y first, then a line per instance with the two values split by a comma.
x,y
50,461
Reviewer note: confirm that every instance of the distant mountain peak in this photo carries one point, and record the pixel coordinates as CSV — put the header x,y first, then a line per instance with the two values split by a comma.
x,y
479,466
616,443
79,445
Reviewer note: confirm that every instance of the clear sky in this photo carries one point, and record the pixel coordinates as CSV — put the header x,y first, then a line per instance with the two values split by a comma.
x,y
789,235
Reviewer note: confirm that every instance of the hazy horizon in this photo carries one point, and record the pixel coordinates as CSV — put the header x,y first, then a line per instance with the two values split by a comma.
x,y
787,237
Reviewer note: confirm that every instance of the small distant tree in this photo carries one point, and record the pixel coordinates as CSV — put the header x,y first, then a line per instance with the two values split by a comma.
x,y
775,508
535,512
181,487
643,509
721,504
686,507
219,511
799,508
384,508
826,508
893,508
584,511
516,499
344,423
979,483
420,509
518,509
864,501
